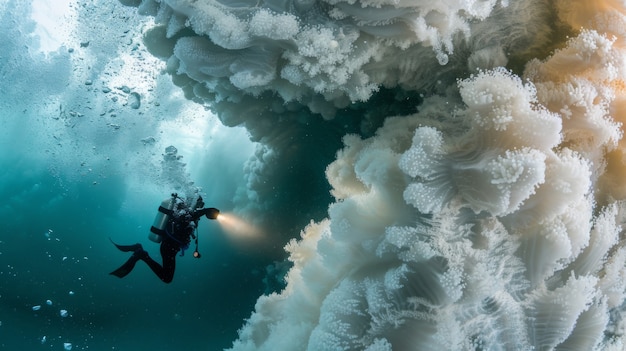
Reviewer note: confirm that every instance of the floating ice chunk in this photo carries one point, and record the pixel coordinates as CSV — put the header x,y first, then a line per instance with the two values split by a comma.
x,y
134,100
148,140
171,150
67,345
63,313
36,308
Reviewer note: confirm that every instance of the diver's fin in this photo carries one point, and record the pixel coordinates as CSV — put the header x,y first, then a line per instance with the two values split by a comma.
x,y
127,248
126,268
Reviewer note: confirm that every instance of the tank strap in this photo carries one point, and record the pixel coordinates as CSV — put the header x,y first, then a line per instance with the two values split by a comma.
x,y
166,211
157,231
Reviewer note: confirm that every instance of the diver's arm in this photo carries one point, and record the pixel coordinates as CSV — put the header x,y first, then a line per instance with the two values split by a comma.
x,y
210,213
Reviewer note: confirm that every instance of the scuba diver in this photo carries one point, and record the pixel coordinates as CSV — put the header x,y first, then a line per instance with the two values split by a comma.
x,y
173,227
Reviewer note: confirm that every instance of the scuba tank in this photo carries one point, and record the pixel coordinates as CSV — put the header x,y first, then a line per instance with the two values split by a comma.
x,y
163,215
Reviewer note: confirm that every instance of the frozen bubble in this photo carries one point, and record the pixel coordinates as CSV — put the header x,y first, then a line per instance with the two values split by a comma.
x,y
49,302
67,345
63,313
36,308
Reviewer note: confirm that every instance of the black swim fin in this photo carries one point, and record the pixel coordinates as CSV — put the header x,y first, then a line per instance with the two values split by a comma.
x,y
126,268
128,248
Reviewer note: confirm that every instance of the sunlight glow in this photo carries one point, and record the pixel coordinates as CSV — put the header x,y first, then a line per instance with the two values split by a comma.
x,y
54,22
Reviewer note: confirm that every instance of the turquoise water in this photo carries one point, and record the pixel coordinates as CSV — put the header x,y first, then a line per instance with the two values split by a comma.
x,y
79,165
55,246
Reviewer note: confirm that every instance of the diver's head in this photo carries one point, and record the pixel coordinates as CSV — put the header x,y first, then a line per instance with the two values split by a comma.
x,y
199,202
181,208
181,204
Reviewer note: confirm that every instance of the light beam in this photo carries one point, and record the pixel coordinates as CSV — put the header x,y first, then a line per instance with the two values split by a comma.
x,y
237,227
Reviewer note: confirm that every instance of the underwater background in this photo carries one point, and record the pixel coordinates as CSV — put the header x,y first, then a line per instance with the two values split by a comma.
x,y
75,172
398,175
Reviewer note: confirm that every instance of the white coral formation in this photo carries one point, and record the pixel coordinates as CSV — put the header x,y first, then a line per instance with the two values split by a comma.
x,y
504,241
501,160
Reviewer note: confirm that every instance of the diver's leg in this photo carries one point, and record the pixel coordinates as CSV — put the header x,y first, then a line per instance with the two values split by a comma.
x,y
166,271
168,254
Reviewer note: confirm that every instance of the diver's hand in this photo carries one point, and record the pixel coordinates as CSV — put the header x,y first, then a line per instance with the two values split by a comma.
x,y
211,213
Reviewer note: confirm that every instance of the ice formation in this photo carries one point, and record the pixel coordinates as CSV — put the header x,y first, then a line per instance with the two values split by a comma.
x,y
276,67
325,54
490,219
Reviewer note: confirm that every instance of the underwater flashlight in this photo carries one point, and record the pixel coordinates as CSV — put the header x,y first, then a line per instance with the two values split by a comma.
x,y
212,213
196,254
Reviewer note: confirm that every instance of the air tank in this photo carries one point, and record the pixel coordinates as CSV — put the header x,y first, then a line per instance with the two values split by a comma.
x,y
160,221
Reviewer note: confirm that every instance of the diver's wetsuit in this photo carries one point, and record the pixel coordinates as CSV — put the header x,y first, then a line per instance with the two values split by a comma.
x,y
179,230
165,272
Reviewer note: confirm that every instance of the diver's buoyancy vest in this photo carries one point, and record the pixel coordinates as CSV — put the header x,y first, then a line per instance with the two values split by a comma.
x,y
157,231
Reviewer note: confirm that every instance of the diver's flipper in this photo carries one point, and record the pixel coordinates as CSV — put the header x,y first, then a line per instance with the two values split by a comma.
x,y
126,268
127,248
